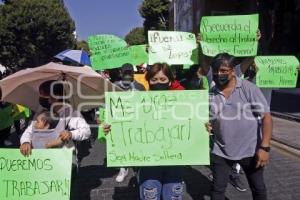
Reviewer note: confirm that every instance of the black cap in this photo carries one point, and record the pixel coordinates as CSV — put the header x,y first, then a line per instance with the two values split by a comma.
x,y
127,68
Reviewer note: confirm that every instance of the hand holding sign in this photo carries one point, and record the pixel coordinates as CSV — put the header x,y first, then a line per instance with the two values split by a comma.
x,y
25,149
258,35
106,128
65,136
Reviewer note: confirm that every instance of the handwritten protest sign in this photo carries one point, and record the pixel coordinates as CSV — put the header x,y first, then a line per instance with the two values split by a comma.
x,y
276,71
235,35
157,128
6,118
138,54
172,47
45,175
108,51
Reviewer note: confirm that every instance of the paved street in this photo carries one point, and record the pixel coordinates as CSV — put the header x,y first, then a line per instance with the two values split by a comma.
x,y
286,132
96,182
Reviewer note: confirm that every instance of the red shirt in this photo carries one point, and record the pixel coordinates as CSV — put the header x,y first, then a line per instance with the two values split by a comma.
x,y
176,86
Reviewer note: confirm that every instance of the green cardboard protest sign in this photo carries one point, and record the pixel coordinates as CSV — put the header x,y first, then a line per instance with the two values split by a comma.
x,y
138,54
235,35
276,71
172,47
45,175
157,128
6,117
108,51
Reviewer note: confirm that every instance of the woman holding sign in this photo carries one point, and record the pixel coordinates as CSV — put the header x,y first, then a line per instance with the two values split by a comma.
x,y
159,181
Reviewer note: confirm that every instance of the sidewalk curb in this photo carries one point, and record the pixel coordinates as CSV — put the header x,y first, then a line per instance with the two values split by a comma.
x,y
288,149
287,143
286,116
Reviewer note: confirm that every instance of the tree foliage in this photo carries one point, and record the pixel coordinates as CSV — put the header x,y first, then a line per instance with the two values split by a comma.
x,y
135,36
155,13
33,31
83,45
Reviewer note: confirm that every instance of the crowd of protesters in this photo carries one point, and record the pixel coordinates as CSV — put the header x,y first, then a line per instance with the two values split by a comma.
x,y
236,144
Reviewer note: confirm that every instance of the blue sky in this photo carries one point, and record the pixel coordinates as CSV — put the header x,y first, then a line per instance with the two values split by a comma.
x,y
116,17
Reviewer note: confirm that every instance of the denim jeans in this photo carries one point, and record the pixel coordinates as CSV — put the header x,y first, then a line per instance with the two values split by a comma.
x,y
157,182
221,168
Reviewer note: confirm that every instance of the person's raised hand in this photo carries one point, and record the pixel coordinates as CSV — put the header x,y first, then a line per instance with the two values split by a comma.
x,y
198,38
106,128
209,127
25,149
258,35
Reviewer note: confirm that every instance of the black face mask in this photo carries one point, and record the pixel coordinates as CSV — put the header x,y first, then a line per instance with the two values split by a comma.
x,y
160,86
221,80
44,102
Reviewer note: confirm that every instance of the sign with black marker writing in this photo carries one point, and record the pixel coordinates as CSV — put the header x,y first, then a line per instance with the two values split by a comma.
x,y
45,175
172,47
276,71
235,35
157,128
108,51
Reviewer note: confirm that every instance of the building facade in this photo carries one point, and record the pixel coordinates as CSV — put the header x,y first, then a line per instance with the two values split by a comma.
x,y
279,20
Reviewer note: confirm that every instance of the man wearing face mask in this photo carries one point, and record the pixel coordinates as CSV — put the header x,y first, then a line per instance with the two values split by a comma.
x,y
76,127
234,106
127,81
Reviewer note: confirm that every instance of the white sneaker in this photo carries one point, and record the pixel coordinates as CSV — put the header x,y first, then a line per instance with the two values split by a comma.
x,y
122,175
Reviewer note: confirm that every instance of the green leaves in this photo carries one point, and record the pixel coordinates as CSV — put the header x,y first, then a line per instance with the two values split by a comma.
x,y
33,31
155,13
136,36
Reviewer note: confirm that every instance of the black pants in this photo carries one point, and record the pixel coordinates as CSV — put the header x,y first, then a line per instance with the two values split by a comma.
x,y
221,168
